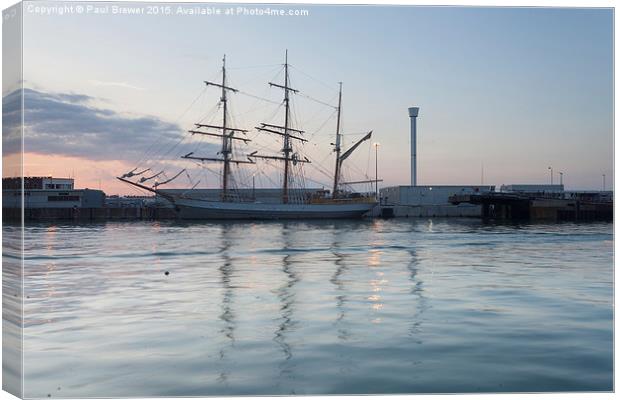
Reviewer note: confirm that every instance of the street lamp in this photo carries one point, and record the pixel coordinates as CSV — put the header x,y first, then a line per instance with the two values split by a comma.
x,y
603,182
551,174
376,169
561,176
254,186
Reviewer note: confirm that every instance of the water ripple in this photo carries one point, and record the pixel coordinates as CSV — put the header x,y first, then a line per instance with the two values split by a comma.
x,y
313,307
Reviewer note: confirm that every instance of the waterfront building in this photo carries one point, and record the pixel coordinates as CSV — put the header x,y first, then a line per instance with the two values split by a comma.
x,y
48,192
429,201
426,201
532,188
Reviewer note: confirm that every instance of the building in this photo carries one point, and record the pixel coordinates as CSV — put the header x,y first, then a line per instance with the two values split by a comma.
x,y
427,201
532,189
591,195
38,182
558,192
48,192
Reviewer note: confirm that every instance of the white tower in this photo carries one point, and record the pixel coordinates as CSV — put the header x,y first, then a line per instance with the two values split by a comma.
x,y
413,115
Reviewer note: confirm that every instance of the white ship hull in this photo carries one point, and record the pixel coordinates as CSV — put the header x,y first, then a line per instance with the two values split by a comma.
x,y
188,208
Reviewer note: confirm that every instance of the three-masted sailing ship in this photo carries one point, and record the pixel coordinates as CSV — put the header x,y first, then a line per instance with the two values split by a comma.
x,y
190,205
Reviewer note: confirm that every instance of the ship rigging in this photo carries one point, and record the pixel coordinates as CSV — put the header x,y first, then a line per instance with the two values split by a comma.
x,y
339,204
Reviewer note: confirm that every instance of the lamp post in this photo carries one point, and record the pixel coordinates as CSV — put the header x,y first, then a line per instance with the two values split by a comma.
x,y
561,177
603,182
551,174
376,169
253,187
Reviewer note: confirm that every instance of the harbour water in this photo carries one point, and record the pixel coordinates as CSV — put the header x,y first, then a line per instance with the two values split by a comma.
x,y
370,306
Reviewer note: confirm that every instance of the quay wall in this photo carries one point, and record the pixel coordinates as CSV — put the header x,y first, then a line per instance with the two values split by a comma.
x,y
419,211
161,213
542,209
88,214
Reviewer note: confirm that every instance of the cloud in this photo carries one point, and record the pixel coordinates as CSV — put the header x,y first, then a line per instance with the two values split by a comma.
x,y
67,124
11,122
116,84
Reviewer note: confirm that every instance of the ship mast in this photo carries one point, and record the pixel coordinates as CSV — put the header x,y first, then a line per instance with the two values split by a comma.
x,y
286,132
227,135
287,140
226,142
337,148
337,144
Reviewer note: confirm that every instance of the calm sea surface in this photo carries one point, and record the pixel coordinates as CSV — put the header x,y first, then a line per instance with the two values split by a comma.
x,y
396,306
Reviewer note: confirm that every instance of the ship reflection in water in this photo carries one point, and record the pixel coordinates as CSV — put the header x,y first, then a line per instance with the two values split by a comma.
x,y
398,306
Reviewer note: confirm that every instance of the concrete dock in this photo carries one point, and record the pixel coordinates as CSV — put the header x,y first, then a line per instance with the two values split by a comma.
x,y
88,214
523,206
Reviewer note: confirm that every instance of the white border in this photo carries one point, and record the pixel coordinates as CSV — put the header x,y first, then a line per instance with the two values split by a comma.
x,y
484,3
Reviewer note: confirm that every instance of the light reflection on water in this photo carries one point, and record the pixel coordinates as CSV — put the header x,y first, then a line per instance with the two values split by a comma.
x,y
398,306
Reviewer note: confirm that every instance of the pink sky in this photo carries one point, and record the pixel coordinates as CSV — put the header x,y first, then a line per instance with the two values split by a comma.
x,y
87,173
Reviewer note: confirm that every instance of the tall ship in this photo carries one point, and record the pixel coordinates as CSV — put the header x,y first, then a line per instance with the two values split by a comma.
x,y
294,202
